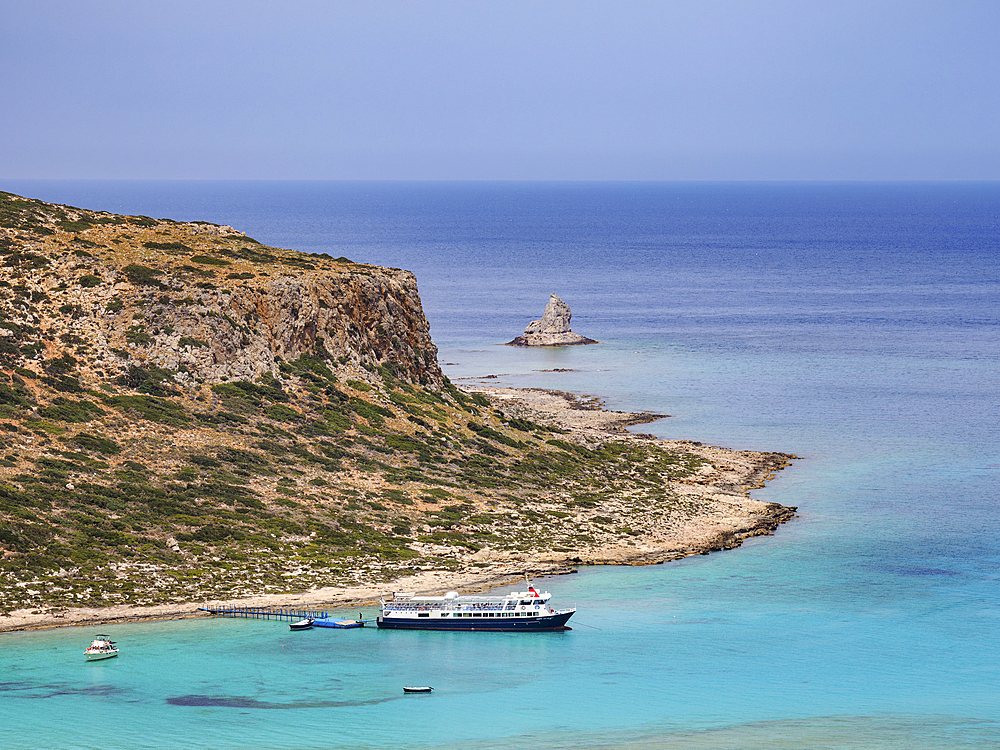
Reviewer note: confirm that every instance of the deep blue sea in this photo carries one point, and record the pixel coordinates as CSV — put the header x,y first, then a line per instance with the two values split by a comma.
x,y
854,325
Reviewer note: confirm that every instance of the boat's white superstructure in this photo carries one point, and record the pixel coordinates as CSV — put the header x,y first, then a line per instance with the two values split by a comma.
x,y
518,610
102,647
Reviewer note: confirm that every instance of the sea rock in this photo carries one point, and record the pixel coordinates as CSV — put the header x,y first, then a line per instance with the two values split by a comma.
x,y
553,329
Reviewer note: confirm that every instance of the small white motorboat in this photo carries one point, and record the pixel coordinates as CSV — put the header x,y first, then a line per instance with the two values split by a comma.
x,y
421,689
305,624
102,647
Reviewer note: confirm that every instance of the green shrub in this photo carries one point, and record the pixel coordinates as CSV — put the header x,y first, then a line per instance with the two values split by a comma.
x,y
95,443
338,421
252,393
61,365
404,444
371,412
310,367
136,335
203,272
207,260
491,434
13,396
65,410
26,260
166,245
142,275
214,533
89,281
64,383
78,225
152,408
282,413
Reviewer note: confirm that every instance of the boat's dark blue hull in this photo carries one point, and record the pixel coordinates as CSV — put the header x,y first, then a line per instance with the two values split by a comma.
x,y
507,624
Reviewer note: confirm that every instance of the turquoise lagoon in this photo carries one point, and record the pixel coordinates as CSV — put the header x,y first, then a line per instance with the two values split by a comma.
x,y
855,326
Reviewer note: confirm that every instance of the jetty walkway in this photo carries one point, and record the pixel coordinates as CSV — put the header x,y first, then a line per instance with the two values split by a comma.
x,y
321,619
266,613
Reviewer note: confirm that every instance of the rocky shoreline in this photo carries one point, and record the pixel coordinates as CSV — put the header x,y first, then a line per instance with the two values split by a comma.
x,y
719,515
724,514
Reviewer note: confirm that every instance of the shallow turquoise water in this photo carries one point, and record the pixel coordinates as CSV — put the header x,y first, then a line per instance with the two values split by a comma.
x,y
854,326
700,646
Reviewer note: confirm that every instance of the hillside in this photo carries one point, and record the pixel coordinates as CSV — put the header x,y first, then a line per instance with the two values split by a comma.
x,y
188,414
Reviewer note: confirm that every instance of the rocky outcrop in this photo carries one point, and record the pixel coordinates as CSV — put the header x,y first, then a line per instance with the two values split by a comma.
x,y
361,318
553,329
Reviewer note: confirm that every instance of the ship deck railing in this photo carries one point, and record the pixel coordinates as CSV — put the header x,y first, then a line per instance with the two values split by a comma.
x,y
450,605
437,601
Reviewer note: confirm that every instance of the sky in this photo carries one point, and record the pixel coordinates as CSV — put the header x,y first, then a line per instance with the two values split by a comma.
x,y
488,90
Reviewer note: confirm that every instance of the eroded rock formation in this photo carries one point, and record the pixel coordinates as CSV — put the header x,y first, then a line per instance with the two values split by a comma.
x,y
553,329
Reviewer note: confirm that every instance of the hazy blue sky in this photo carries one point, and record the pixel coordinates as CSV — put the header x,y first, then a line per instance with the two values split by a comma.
x,y
441,89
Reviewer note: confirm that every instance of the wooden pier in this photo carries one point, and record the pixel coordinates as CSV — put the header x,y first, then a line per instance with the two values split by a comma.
x,y
266,613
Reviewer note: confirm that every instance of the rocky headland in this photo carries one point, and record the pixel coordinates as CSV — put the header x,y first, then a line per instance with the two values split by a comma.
x,y
552,329
187,415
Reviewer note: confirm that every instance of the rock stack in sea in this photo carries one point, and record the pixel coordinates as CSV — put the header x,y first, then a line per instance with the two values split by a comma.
x,y
553,329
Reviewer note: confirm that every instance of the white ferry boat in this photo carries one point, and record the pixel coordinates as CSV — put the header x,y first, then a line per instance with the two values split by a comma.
x,y
518,610
102,647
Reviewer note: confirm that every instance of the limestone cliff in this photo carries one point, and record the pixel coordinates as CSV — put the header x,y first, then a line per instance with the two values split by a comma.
x,y
201,300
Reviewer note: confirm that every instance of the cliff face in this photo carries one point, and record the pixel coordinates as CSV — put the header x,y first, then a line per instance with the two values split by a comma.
x,y
199,299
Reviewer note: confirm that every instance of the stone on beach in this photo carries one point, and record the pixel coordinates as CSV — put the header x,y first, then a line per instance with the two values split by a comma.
x,y
553,329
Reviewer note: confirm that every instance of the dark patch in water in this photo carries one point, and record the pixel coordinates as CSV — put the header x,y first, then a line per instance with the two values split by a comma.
x,y
9,687
234,701
51,691
925,572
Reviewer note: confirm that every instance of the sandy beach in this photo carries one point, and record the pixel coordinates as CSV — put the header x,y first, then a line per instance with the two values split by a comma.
x,y
327,598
